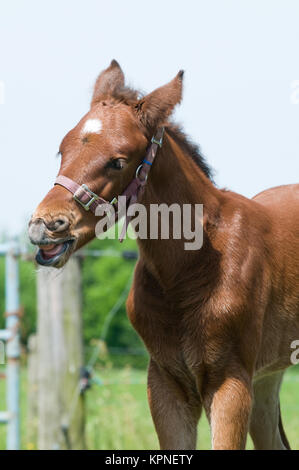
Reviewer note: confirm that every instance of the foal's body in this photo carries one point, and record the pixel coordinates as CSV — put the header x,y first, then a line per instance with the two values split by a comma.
x,y
218,320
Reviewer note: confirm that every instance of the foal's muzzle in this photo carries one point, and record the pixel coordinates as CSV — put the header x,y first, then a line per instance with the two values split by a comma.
x,y
52,251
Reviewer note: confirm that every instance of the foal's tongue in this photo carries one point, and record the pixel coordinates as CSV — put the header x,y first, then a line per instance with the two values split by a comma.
x,y
51,250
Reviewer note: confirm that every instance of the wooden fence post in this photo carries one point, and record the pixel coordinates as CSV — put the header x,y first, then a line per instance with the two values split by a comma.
x,y
32,393
60,358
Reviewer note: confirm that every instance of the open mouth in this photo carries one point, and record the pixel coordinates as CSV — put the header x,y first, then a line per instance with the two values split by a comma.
x,y
52,254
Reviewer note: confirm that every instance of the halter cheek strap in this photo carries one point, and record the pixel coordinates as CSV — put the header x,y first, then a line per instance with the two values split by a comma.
x,y
90,201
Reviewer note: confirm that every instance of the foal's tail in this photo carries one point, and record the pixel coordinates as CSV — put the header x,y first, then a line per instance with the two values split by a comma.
x,y
282,433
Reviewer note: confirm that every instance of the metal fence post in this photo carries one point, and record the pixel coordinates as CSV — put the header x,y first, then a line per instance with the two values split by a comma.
x,y
12,346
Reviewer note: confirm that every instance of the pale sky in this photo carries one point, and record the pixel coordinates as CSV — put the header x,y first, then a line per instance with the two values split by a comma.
x,y
241,59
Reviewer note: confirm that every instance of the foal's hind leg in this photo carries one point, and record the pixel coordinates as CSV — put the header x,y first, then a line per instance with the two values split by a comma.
x,y
174,417
265,425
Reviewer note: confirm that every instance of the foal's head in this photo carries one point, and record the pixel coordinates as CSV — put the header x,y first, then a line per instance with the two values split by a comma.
x,y
102,151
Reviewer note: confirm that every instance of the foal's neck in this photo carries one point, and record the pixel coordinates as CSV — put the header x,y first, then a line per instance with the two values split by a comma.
x,y
177,178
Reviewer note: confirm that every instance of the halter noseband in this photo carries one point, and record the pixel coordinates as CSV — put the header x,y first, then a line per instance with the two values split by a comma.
x,y
90,201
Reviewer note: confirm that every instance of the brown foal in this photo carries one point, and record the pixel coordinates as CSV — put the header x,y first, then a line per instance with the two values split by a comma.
x,y
218,322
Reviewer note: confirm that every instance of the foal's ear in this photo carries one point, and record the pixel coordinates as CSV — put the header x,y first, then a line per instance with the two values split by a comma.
x,y
155,108
110,80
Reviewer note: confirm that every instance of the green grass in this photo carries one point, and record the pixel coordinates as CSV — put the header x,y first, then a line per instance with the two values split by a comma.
x,y
118,416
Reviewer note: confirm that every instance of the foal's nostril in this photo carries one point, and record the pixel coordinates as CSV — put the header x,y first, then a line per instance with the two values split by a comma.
x,y
58,225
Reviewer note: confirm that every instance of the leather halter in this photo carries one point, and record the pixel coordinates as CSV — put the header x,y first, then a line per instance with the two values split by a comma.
x,y
90,201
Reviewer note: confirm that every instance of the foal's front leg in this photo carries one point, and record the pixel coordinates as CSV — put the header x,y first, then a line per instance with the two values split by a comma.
x,y
228,405
175,418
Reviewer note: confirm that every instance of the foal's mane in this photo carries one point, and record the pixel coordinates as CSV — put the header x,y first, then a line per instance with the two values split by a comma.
x,y
191,149
129,96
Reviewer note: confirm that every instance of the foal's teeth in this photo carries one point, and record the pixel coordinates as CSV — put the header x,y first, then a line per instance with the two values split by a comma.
x,y
46,247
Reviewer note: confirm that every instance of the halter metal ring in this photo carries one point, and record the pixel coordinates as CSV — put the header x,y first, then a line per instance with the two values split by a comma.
x,y
138,172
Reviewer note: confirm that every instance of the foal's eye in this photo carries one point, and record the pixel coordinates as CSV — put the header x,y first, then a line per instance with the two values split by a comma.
x,y
117,163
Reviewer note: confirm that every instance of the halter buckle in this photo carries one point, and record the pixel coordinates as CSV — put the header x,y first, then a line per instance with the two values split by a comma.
x,y
86,205
160,141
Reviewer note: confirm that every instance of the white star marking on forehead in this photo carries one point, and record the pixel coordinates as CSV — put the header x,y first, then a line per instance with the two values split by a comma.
x,y
92,126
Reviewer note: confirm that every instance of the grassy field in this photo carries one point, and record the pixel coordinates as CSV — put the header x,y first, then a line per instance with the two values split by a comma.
x,y
118,416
